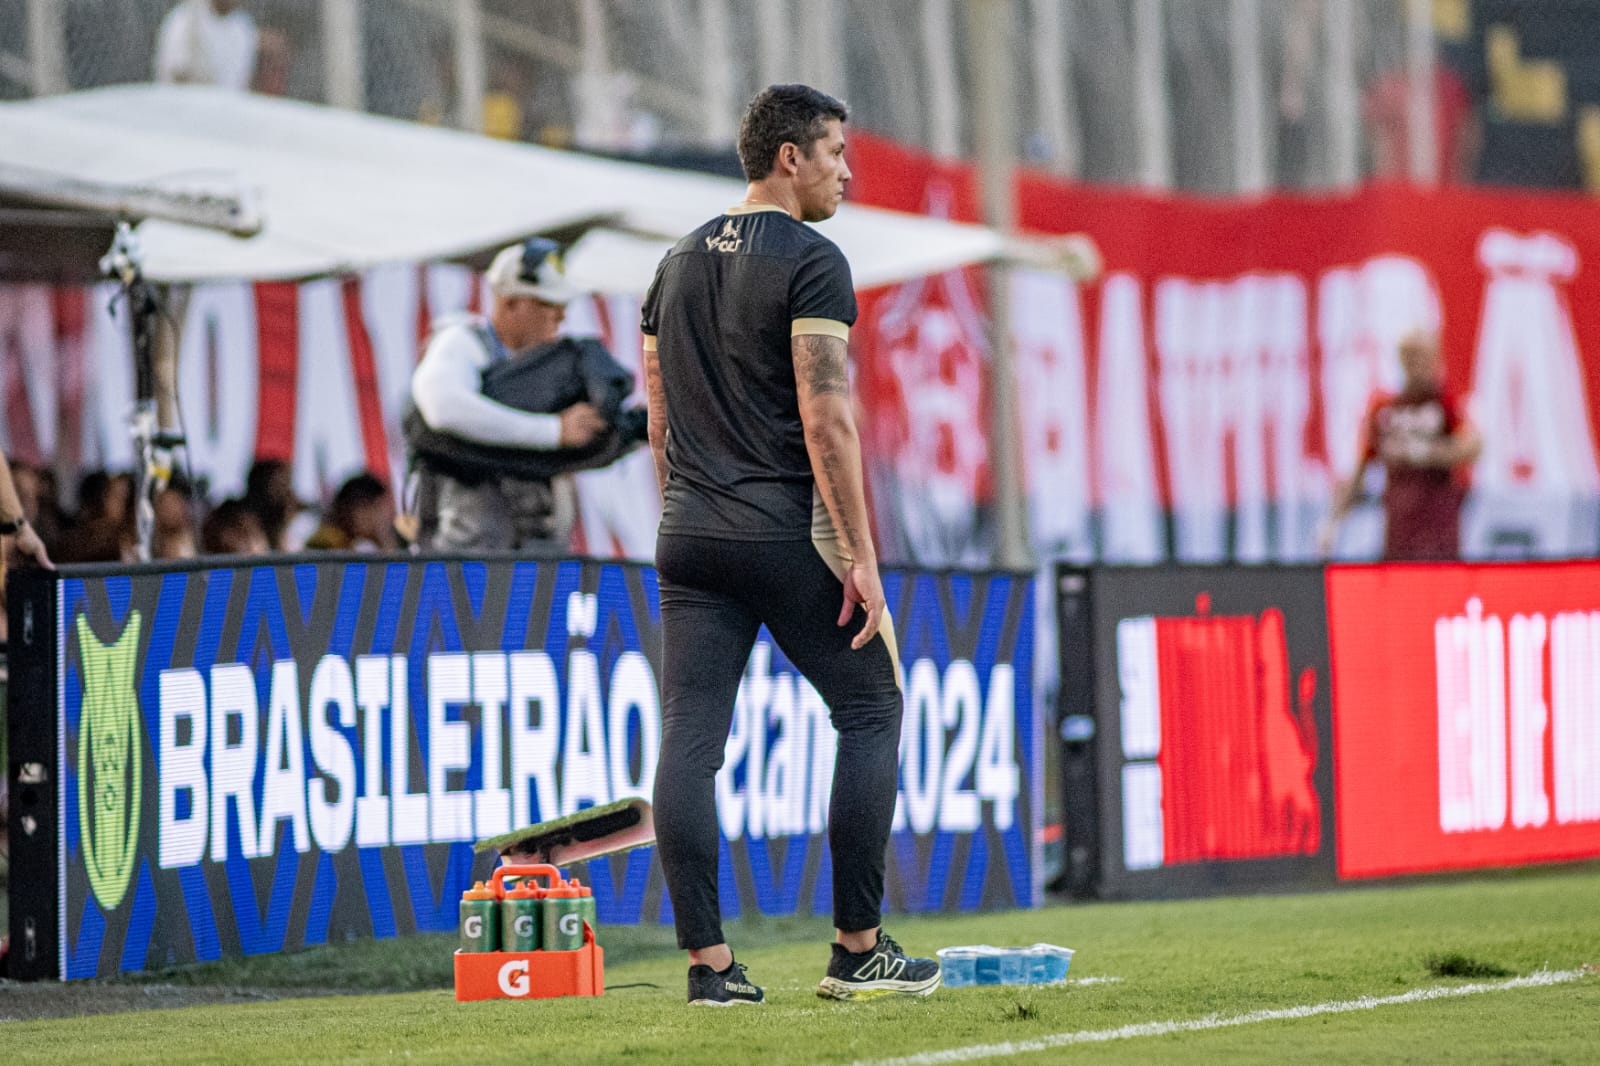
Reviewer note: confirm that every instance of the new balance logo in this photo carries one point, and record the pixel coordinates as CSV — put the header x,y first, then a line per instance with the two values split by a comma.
x,y
742,989
881,967
726,241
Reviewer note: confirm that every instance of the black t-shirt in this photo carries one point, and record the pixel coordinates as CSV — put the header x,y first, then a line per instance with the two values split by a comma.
x,y
723,307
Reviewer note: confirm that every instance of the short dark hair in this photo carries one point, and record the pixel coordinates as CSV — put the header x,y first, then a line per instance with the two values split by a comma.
x,y
357,491
783,114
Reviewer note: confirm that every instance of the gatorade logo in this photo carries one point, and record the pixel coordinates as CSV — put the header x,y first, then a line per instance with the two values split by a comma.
x,y
110,759
523,925
473,927
514,978
569,925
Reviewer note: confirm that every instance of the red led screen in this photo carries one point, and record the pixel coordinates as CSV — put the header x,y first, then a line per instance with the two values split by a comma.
x,y
1466,715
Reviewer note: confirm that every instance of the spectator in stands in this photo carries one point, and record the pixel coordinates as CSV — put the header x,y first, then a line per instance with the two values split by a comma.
x,y
41,504
216,42
232,528
20,538
1426,444
361,518
269,493
464,510
173,536
103,529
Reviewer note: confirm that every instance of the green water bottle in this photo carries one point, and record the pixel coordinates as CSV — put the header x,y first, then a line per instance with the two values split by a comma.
x,y
480,919
586,908
563,925
519,917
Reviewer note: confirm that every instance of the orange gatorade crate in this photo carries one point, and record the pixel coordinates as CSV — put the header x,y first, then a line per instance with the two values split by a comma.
x,y
531,974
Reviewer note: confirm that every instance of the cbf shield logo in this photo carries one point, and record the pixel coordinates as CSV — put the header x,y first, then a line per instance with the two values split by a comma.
x,y
110,759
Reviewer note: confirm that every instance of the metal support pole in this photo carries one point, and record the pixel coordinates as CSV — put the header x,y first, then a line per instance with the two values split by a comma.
x,y
1422,136
47,47
343,54
772,38
1344,105
472,79
943,91
1150,87
717,78
1058,103
1249,97
596,110
825,48
988,27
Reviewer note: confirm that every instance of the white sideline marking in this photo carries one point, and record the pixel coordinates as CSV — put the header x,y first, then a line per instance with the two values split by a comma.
x,y
1094,1036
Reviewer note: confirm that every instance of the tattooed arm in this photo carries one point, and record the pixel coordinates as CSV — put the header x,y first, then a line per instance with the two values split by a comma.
x,y
656,401
823,382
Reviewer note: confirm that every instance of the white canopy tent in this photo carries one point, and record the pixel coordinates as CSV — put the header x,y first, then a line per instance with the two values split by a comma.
x,y
338,191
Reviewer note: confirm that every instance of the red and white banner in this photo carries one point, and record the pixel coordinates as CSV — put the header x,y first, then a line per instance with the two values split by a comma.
x,y
1216,375
1466,715
317,373
1197,402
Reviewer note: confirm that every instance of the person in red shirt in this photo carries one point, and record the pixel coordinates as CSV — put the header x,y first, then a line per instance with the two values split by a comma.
x,y
1426,444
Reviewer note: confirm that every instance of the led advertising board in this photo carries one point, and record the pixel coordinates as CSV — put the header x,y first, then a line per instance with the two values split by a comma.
x,y
253,759
1467,715
1204,719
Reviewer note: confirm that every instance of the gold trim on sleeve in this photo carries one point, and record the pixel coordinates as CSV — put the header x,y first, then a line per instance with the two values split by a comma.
x,y
825,327
649,342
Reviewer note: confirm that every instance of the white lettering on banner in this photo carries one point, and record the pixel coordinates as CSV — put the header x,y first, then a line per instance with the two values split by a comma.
x,y
327,425
332,687
776,780
1362,312
27,334
1530,802
824,750
1139,677
1536,481
233,764
283,791
1139,681
535,731
1047,329
583,751
182,764
633,689
389,309
1492,688
1143,826
218,382
1529,381
491,805
934,777
1235,375
1126,462
372,806
449,746
1469,651
1575,715
409,810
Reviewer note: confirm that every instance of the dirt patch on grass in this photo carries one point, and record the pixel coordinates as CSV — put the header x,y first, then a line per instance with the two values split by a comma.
x,y
25,1001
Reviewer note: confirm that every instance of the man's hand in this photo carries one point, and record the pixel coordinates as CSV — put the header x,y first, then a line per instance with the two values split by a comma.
x,y
28,545
862,586
580,424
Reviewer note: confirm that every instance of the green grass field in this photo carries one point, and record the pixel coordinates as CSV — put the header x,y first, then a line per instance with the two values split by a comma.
x,y
1146,963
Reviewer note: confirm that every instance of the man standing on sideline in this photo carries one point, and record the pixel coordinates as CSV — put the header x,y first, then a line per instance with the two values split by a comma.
x,y
1426,444
764,520
530,295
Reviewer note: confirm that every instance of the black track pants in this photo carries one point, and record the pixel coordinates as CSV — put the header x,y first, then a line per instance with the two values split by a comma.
x,y
715,595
